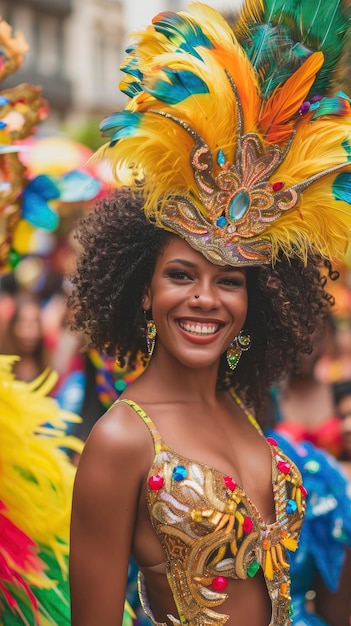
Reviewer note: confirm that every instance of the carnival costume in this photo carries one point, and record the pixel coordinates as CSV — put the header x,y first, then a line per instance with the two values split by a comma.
x,y
326,531
211,531
240,144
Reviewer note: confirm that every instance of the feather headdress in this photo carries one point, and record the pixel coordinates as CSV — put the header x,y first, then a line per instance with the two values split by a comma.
x,y
235,136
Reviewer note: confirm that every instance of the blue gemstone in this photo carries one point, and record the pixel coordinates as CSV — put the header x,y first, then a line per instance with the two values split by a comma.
x,y
291,507
221,221
179,472
220,157
2,124
3,101
239,205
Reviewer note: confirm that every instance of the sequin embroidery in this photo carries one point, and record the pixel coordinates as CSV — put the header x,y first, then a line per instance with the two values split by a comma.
x,y
211,531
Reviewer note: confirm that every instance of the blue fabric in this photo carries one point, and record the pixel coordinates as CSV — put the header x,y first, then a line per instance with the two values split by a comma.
x,y
326,529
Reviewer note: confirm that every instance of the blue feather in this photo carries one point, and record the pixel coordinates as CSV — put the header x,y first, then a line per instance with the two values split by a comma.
x,y
342,187
182,84
36,210
44,186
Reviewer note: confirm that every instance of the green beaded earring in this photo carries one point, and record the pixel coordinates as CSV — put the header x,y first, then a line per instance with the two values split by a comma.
x,y
240,344
150,336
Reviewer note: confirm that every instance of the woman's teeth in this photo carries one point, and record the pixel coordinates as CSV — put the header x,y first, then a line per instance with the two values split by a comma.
x,y
199,329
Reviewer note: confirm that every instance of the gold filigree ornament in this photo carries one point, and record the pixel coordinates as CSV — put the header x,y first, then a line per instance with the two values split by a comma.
x,y
240,201
21,109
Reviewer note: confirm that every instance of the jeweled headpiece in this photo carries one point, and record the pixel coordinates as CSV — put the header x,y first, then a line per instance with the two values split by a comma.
x,y
236,137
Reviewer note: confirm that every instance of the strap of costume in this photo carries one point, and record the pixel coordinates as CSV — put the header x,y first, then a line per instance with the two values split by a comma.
x,y
156,437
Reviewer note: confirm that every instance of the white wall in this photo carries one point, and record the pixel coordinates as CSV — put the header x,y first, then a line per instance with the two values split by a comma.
x,y
140,12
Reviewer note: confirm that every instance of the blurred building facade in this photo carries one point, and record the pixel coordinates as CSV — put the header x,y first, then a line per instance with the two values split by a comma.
x,y
76,48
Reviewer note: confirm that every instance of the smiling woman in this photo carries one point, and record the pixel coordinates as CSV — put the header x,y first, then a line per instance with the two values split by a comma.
x,y
210,262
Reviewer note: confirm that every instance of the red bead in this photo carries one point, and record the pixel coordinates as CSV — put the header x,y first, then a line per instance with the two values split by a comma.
x,y
229,482
247,525
220,583
272,442
303,490
277,186
283,467
155,482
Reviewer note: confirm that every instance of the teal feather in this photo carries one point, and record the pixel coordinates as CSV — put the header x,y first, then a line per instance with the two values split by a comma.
x,y
131,89
347,147
130,67
342,187
182,32
181,85
288,32
120,124
331,106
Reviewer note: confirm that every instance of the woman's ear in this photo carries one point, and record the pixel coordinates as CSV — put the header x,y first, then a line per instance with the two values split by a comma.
x,y
146,299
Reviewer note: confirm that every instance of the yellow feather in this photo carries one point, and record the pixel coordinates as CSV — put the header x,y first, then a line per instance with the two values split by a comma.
x,y
36,475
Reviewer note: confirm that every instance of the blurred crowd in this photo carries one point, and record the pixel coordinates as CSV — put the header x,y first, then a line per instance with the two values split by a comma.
x,y
312,405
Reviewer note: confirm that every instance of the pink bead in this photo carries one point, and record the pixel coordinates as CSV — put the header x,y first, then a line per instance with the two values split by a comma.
x,y
303,490
155,482
272,442
229,482
247,525
219,583
283,467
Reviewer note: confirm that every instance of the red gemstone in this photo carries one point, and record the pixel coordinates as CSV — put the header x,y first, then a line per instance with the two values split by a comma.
x,y
229,482
283,467
278,186
156,482
247,525
219,583
303,490
272,442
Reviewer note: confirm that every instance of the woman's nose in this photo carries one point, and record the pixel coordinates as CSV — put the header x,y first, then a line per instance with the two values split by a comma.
x,y
204,297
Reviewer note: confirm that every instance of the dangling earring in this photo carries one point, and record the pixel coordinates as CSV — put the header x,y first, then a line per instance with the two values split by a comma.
x,y
150,335
240,344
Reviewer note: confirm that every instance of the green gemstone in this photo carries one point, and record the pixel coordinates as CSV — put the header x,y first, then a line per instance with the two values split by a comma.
x,y
291,609
233,359
253,569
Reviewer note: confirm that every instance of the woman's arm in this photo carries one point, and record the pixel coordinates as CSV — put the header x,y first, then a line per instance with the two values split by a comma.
x,y
103,515
334,607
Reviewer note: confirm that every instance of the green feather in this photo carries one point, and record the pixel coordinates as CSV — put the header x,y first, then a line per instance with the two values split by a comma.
x,y
288,31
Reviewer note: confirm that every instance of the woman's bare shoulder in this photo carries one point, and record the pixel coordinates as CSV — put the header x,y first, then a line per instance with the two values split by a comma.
x,y
117,437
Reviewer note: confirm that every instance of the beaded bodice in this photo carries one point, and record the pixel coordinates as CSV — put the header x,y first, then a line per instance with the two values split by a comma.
x,y
210,531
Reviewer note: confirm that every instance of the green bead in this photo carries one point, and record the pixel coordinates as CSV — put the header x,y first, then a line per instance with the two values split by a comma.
x,y
253,569
291,609
120,385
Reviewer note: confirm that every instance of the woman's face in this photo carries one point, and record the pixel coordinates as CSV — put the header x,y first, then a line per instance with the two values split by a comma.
x,y
27,328
198,307
344,412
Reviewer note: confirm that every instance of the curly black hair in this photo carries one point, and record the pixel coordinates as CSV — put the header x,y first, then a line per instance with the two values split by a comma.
x,y
119,251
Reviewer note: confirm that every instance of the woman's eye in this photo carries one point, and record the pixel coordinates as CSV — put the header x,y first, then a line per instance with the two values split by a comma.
x,y
232,282
179,275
